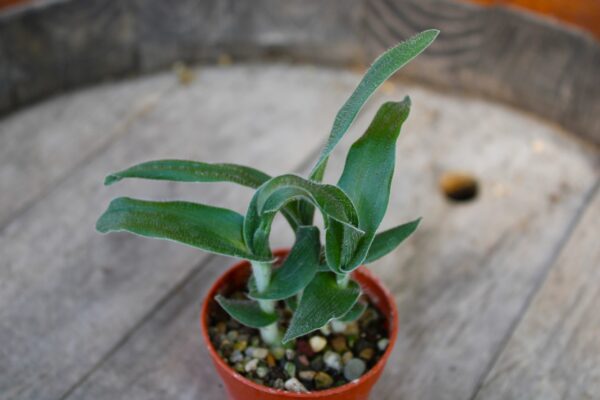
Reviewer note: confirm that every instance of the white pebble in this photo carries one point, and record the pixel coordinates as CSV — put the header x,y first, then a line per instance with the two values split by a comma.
x,y
251,365
260,353
354,369
317,343
382,344
294,385
333,360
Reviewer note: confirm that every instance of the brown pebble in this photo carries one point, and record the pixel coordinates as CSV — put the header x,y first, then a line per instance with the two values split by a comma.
x,y
339,344
270,361
458,186
367,353
221,327
323,380
347,357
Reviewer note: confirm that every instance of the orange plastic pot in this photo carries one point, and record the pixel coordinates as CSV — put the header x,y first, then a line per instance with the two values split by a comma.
x,y
240,388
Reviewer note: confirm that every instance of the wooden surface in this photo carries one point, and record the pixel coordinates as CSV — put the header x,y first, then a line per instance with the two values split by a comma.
x,y
502,53
496,295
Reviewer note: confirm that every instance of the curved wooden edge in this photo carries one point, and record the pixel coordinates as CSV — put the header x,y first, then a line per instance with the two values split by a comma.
x,y
501,53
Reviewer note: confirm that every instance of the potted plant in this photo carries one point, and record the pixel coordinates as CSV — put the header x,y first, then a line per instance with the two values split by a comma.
x,y
308,322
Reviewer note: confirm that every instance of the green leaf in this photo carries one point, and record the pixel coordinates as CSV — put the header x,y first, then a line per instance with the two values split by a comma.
x,y
355,312
194,171
387,241
191,171
279,192
216,230
298,269
322,301
246,312
367,176
292,303
383,67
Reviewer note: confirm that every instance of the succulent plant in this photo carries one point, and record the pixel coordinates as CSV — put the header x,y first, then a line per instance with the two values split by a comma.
x,y
314,279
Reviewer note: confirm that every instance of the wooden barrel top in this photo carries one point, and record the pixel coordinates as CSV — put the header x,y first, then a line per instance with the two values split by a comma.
x,y
498,296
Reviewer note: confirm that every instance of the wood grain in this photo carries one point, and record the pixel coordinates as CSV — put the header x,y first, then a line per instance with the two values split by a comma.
x,y
69,295
48,142
554,352
499,53
461,282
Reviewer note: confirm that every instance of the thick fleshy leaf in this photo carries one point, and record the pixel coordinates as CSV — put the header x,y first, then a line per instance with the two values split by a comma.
x,y
383,67
213,229
355,312
195,171
246,312
298,269
387,241
367,176
279,192
191,171
322,301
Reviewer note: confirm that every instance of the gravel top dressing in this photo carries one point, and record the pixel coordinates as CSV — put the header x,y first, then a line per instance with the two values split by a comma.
x,y
332,356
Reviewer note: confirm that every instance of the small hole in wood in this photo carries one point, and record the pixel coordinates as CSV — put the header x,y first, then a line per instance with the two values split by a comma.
x,y
459,186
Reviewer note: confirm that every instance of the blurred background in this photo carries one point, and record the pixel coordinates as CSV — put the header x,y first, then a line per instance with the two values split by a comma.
x,y
498,289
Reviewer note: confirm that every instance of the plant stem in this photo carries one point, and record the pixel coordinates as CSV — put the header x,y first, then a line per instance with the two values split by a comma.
x,y
262,276
343,280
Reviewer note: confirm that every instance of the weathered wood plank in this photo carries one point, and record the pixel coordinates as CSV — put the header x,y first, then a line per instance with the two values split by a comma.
x,y
503,53
67,294
555,350
46,142
461,281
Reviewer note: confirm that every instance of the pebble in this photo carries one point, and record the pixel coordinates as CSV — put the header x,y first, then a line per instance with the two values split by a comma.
x,y
255,341
221,327
303,360
323,380
338,326
307,375
236,356
333,360
290,369
290,354
294,385
347,357
261,372
240,345
278,353
251,365
317,343
354,369
232,335
339,343
239,367
367,353
382,344
317,363
351,328
260,353
326,330
278,383
270,361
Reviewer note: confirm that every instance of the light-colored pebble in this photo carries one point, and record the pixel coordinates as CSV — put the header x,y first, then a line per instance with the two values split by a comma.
x,y
251,365
307,375
333,360
317,343
290,354
294,385
260,353
261,372
382,344
354,369
347,357
236,356
278,352
338,326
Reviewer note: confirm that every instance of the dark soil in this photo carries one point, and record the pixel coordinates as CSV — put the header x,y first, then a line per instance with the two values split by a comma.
x,y
323,359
